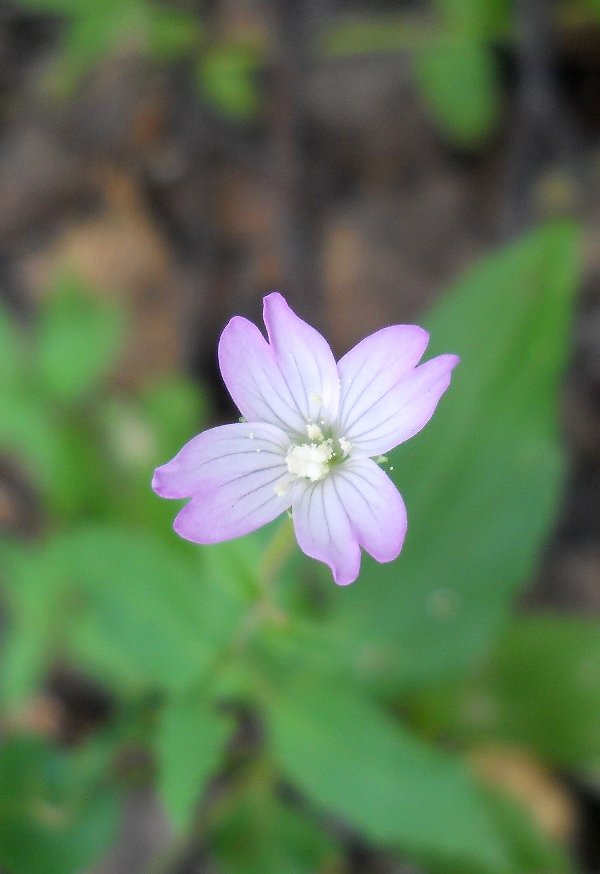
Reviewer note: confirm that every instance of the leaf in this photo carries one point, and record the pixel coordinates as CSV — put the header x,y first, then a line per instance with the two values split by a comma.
x,y
540,689
79,337
49,819
459,83
482,482
13,354
189,747
533,851
477,19
33,601
258,832
226,74
354,762
133,611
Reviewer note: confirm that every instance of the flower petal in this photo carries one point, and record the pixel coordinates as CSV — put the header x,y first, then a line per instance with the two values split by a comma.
x,y
305,360
253,378
374,506
375,364
223,455
388,413
323,530
234,508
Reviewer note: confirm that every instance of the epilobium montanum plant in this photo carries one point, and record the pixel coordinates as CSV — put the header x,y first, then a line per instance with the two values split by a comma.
x,y
311,433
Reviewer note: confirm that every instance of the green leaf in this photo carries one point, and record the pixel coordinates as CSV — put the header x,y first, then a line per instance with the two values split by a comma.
x,y
189,747
477,19
482,482
13,354
171,32
79,337
33,600
258,832
540,689
354,762
133,611
227,75
459,83
50,819
532,850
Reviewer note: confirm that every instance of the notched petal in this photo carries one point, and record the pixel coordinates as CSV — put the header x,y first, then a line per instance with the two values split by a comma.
x,y
305,360
323,530
387,418
374,506
219,455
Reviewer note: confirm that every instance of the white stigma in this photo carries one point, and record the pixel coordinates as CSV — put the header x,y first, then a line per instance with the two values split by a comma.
x,y
309,460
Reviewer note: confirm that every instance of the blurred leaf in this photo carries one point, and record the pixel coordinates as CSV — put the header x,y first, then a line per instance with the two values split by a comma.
x,y
79,337
259,833
49,820
189,747
370,34
482,482
227,75
476,19
133,611
176,409
13,353
150,616
171,32
34,601
95,29
351,760
459,82
540,689
532,850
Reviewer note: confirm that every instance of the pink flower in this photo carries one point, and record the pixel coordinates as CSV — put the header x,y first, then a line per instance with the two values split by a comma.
x,y
311,432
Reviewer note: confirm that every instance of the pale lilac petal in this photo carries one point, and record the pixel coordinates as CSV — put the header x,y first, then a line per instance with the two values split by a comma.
x,y
385,416
233,509
229,453
305,360
254,380
374,506
323,530
375,365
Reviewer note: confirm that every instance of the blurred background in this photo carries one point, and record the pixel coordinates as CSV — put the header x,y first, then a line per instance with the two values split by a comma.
x,y
177,709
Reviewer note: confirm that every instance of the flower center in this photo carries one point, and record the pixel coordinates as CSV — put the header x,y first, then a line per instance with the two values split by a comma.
x,y
313,460
309,460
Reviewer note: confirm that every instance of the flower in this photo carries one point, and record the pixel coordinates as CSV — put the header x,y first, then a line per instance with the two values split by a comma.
x,y
310,432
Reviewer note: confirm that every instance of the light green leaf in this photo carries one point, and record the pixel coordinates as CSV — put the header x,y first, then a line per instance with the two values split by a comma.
x,y
532,850
13,354
459,82
540,689
259,833
352,761
133,611
477,19
34,601
483,480
49,819
189,747
79,337
227,75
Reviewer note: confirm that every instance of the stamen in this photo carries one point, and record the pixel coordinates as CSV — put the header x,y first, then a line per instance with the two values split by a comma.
x,y
314,432
345,446
309,460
